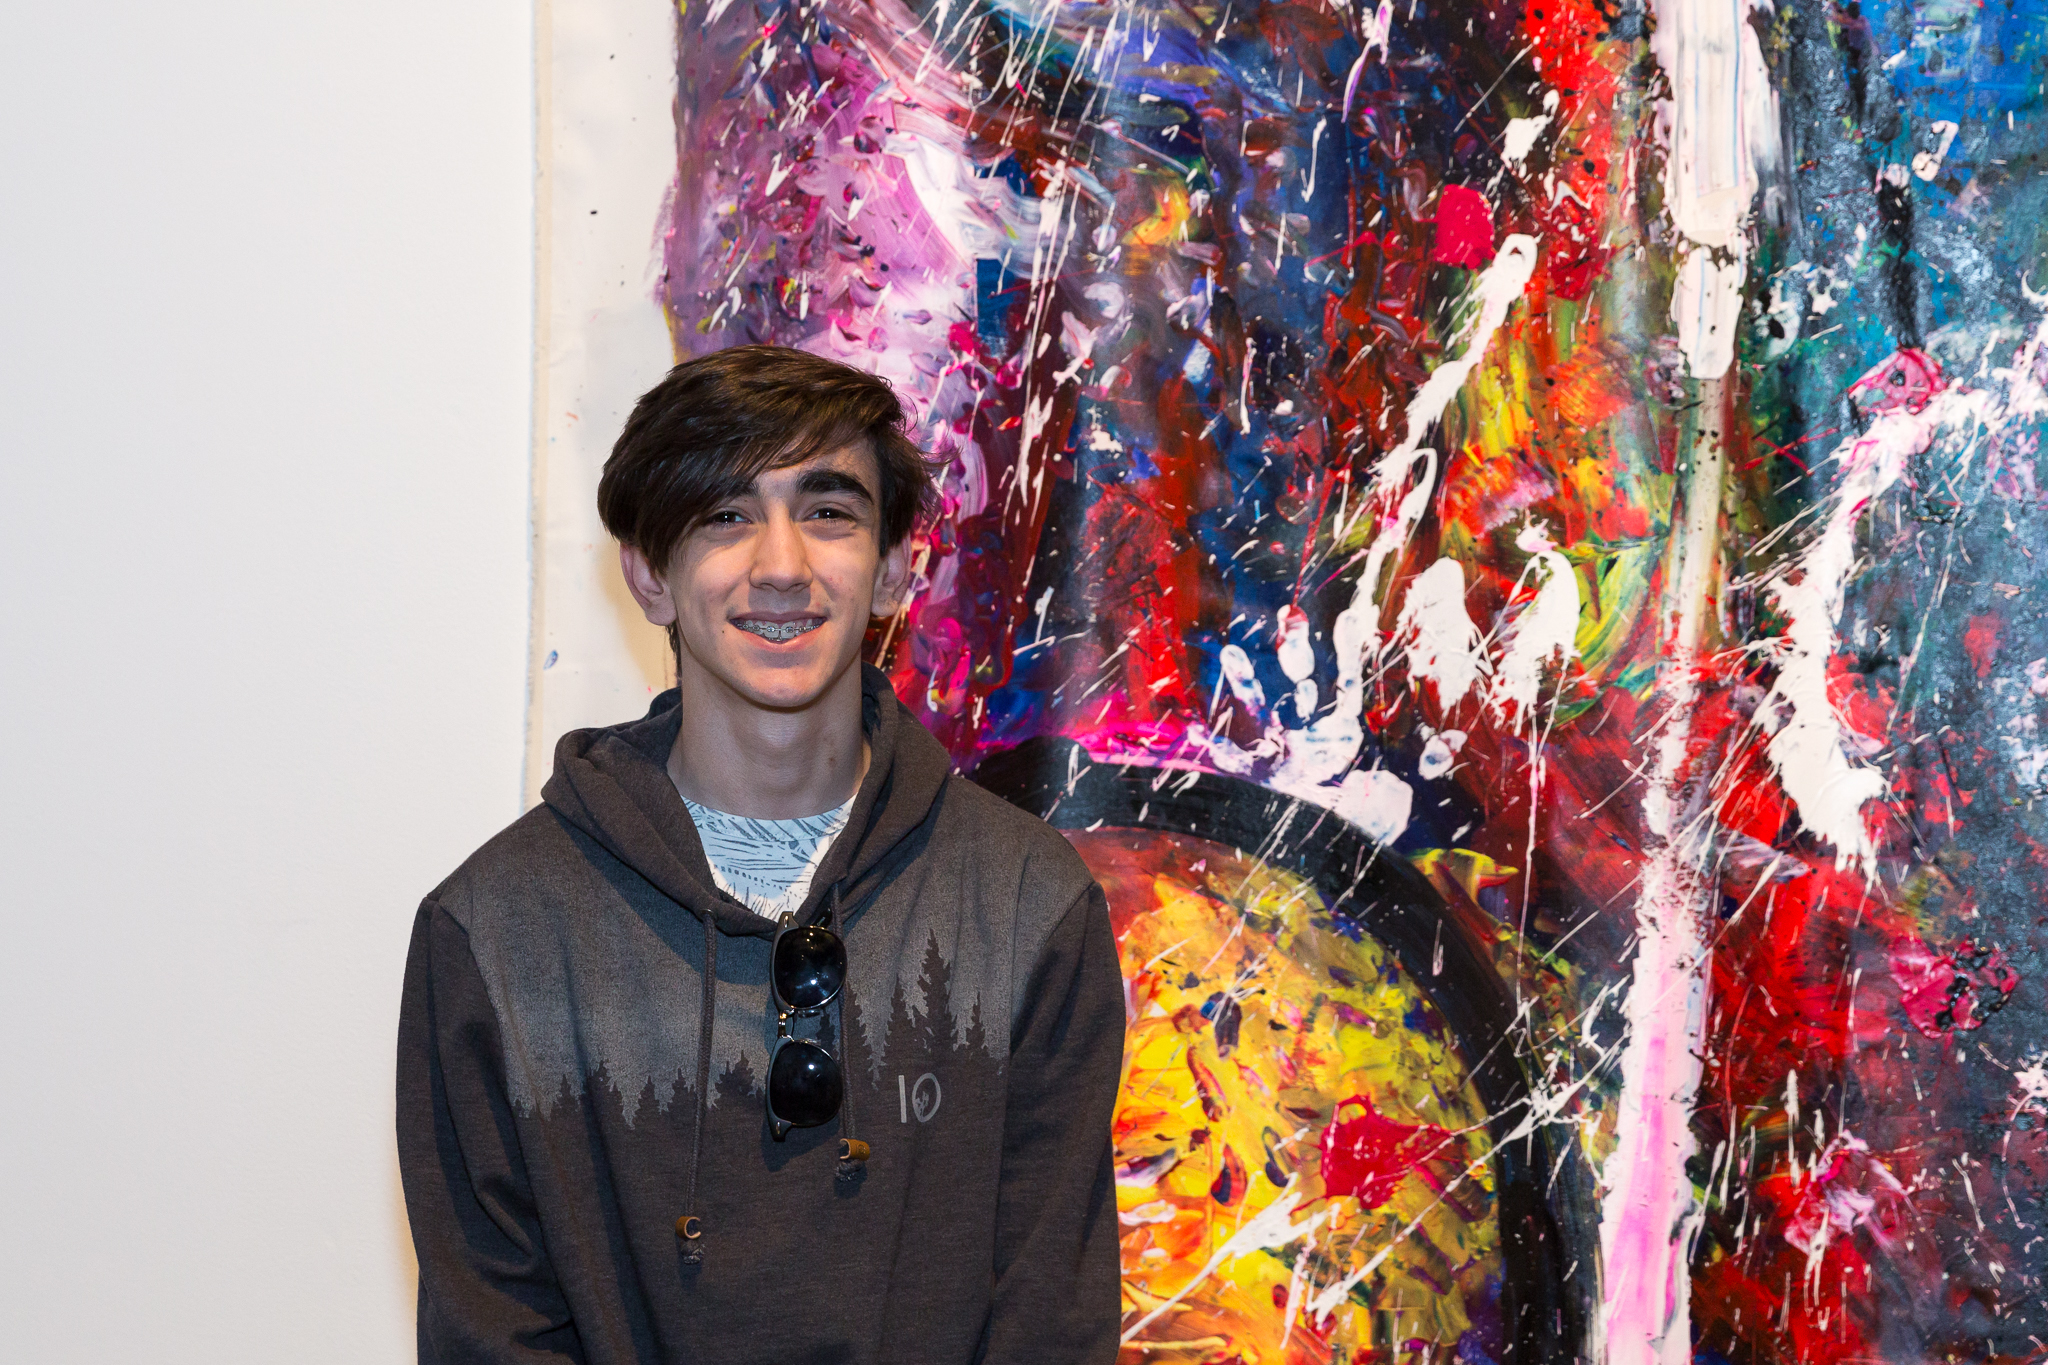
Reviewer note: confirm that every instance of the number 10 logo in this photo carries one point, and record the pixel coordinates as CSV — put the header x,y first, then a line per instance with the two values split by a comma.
x,y
920,1098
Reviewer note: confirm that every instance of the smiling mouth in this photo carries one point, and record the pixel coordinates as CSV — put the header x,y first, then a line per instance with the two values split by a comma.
x,y
779,631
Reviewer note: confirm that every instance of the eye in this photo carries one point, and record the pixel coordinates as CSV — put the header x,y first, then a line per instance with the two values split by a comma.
x,y
725,516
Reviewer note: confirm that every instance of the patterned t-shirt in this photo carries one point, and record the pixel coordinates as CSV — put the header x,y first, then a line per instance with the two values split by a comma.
x,y
766,865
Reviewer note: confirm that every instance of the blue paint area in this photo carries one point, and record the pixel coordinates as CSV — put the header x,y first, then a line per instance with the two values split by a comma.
x,y
997,294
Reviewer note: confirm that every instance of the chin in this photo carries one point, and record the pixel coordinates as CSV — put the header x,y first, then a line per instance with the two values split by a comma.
x,y
783,686
781,694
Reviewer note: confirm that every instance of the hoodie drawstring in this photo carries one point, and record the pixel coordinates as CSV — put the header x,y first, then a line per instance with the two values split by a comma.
x,y
688,1227
853,1153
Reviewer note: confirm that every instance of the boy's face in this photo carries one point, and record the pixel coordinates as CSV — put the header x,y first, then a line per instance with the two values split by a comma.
x,y
772,596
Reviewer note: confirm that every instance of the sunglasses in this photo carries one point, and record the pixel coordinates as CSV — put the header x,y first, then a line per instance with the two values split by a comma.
x,y
806,1084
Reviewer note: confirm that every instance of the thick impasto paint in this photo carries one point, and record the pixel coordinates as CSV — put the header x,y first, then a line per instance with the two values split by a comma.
x,y
1533,511
1286,1092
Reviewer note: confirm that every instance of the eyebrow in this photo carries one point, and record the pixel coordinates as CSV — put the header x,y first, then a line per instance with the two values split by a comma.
x,y
834,481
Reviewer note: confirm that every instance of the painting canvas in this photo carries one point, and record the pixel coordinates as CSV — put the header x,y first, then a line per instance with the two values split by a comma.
x,y
1507,536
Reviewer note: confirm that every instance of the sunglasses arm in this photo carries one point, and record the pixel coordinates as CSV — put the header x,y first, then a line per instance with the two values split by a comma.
x,y
777,1129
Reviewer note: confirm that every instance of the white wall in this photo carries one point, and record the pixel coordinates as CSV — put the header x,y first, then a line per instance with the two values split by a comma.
x,y
265,350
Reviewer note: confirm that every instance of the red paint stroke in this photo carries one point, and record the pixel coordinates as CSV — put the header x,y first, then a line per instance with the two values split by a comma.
x,y
1362,239
1464,228
1907,380
1851,1190
1207,1088
1366,1157
1980,642
1953,991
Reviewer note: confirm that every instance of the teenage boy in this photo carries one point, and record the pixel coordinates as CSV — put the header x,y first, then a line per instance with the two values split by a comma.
x,y
764,1038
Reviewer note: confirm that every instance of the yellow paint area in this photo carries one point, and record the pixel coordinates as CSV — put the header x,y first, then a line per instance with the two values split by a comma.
x,y
1169,218
1257,1024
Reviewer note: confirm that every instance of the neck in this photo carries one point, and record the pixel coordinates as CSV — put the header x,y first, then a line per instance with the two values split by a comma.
x,y
734,756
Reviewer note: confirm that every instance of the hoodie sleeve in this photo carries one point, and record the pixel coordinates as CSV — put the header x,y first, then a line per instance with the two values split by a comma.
x,y
1057,1294
488,1295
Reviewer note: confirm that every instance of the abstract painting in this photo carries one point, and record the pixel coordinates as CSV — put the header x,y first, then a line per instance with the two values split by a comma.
x,y
1507,535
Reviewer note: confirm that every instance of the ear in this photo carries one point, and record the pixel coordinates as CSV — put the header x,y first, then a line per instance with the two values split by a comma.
x,y
892,579
649,588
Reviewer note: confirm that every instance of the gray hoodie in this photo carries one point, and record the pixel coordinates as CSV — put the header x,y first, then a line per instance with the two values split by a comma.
x,y
583,1044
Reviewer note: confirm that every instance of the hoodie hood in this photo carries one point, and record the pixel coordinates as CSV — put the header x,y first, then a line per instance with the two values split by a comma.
x,y
613,784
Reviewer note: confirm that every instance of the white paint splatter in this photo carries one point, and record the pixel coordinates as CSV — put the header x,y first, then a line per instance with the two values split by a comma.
x,y
1927,165
1650,1212
2033,1078
1543,635
2028,757
1297,658
1518,139
1844,1190
1439,753
1706,307
1307,757
1812,750
1270,1228
1397,499
1376,28
1720,124
1077,339
1807,750
1720,130
1243,680
1443,645
1376,801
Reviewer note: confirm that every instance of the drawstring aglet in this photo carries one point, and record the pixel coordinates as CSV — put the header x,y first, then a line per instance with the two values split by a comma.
x,y
853,1158
691,1232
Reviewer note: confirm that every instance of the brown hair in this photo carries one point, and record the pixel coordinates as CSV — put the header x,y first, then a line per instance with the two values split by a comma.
x,y
718,422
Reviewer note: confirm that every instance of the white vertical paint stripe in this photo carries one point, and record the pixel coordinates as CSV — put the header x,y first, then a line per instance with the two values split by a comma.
x,y
1719,127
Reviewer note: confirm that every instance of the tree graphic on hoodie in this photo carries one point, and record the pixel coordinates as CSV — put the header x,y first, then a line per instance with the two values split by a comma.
x,y
736,1087
861,1062
900,1036
977,1036
936,1035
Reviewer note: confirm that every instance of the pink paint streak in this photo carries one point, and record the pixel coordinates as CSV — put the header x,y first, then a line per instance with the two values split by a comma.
x,y
1908,380
1646,1241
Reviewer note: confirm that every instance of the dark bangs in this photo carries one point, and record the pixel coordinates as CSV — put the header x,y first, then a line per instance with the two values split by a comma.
x,y
718,422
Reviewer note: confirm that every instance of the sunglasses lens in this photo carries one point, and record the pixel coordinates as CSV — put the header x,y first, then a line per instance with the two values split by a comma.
x,y
810,967
805,1086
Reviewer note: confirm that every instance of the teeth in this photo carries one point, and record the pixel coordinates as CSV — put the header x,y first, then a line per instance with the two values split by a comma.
x,y
780,630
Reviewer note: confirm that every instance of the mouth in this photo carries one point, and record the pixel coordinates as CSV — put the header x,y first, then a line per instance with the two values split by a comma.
x,y
779,631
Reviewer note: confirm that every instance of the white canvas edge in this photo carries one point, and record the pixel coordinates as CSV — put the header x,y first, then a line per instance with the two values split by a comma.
x,y
605,81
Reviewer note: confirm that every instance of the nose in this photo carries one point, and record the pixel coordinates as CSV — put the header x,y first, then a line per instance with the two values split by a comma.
x,y
781,559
